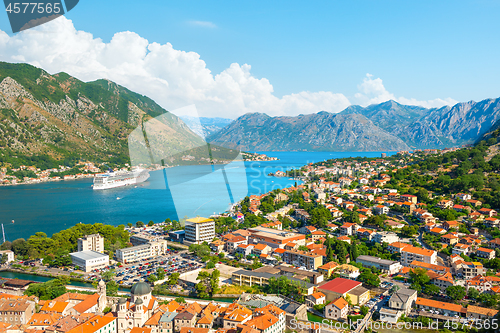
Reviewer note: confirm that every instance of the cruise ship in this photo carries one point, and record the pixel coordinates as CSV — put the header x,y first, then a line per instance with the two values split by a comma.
x,y
112,179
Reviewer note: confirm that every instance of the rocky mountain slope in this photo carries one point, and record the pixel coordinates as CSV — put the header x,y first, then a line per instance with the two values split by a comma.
x,y
58,115
386,126
322,131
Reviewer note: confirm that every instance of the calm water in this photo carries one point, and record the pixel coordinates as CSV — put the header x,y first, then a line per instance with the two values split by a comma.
x,y
171,193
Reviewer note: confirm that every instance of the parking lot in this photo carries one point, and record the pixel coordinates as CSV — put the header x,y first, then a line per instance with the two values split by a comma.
x,y
127,275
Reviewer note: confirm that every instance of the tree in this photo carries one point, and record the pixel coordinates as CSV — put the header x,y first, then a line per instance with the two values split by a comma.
x,y
173,279
151,223
152,278
160,273
431,289
473,293
5,257
108,275
369,278
130,225
354,251
180,300
455,292
303,248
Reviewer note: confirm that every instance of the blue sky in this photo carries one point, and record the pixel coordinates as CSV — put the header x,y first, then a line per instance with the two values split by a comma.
x,y
422,50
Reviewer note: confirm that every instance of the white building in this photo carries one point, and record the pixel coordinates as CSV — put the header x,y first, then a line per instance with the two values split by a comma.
x,y
411,253
388,266
9,253
385,237
93,242
134,253
158,244
89,260
199,230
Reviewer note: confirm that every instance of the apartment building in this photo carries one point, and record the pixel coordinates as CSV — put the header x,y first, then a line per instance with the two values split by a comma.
x,y
303,259
387,266
94,242
412,253
134,253
199,230
158,244
16,311
274,238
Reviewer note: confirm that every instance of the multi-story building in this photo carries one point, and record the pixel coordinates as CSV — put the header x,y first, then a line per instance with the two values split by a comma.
x,y
134,253
412,253
158,244
274,238
385,237
89,260
388,266
93,242
337,309
199,230
303,259
16,311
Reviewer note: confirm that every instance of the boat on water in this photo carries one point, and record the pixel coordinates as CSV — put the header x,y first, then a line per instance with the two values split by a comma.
x,y
112,179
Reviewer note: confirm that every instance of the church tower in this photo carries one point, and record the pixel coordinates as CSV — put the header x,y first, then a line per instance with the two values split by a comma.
x,y
101,291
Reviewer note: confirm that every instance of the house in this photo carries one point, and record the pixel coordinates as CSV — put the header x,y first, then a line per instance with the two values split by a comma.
x,y
348,229
403,300
475,203
397,247
316,298
449,239
385,237
365,233
259,249
337,309
492,222
477,312
236,315
463,196
450,224
485,253
445,203
315,235
409,197
437,231
448,309
348,271
328,268
244,249
461,249
488,212
381,209
307,230
341,287
495,243
217,246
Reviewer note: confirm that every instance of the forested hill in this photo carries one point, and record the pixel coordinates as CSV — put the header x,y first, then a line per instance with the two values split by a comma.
x,y
57,119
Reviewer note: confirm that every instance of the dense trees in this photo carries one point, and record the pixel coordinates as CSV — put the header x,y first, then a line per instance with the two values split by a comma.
x,y
209,283
48,290
55,250
282,285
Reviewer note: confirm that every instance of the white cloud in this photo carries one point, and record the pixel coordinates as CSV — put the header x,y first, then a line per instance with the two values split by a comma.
x,y
372,91
171,77
204,24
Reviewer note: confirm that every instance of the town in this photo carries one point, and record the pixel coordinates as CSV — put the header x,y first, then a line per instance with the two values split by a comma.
x,y
359,240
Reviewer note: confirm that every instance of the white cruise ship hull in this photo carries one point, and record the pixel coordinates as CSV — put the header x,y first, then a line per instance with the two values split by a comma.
x,y
118,179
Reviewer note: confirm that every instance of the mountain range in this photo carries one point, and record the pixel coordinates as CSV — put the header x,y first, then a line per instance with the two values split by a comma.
x,y
388,126
59,115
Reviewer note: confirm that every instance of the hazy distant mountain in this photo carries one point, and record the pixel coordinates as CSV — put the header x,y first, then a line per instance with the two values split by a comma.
x,y
205,126
321,131
385,126
60,115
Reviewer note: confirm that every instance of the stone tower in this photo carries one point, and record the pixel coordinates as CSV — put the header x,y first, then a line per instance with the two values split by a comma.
x,y
101,290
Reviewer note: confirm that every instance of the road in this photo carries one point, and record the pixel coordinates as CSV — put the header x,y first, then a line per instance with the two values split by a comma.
x,y
368,318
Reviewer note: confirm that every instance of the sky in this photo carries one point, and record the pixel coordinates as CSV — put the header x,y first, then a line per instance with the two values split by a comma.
x,y
278,57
